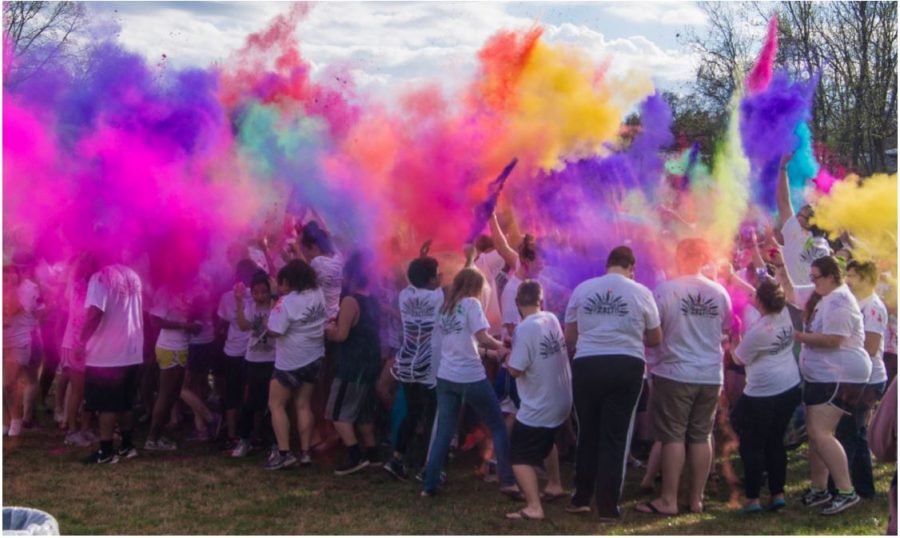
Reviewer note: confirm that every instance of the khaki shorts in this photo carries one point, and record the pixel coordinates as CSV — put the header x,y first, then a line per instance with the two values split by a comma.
x,y
683,412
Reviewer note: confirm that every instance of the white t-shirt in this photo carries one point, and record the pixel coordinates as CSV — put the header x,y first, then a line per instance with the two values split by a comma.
x,y
329,276
300,320
76,291
875,320
460,361
798,251
837,313
491,265
419,311
236,340
509,309
18,328
767,353
545,386
694,312
890,345
612,313
174,307
202,302
260,347
119,338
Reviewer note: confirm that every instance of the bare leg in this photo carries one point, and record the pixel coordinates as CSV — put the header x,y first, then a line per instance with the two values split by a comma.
x,y
653,466
700,455
305,418
528,484
170,381
278,399
672,463
821,421
554,483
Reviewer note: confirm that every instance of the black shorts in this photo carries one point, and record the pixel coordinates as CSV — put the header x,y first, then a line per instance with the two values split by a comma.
x,y
294,379
112,389
201,358
530,445
844,396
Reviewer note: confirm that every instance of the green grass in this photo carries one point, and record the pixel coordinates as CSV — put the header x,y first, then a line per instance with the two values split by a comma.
x,y
200,491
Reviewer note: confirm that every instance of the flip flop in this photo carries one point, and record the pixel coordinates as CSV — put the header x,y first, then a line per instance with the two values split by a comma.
x,y
576,509
521,515
651,509
552,497
513,494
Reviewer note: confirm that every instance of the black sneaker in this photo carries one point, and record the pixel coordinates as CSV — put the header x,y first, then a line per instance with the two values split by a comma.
x,y
839,503
396,468
812,497
100,457
351,466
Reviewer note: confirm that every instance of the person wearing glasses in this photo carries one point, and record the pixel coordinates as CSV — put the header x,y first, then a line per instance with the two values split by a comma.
x,y
835,366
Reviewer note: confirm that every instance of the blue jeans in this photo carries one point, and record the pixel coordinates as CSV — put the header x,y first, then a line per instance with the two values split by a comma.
x,y
481,398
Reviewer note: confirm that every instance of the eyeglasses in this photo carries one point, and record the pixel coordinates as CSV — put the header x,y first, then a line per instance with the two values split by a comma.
x,y
815,277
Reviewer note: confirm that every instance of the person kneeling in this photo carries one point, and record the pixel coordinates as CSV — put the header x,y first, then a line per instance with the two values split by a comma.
x,y
540,364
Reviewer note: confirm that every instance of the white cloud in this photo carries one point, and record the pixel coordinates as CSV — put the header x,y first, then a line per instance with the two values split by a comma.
x,y
669,13
385,46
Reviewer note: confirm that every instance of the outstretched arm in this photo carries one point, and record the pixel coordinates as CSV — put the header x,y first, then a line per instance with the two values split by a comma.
x,y
783,194
509,255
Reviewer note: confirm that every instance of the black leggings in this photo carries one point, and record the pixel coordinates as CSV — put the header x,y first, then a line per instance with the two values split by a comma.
x,y
256,396
606,391
235,371
761,422
421,401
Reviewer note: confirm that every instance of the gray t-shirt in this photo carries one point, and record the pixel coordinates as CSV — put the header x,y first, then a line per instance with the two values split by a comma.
x,y
612,313
694,311
545,386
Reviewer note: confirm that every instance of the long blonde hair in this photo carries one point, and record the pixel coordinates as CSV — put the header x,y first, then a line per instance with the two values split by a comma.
x,y
469,282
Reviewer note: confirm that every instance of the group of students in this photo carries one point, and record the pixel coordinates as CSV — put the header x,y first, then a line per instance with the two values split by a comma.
x,y
305,339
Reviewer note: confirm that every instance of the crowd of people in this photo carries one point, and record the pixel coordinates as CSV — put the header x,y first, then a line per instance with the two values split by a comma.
x,y
306,347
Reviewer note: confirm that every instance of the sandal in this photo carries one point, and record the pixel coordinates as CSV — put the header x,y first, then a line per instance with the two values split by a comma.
x,y
521,515
650,508
553,497
514,494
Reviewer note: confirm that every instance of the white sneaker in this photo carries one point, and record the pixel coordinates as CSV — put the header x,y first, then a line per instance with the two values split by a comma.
x,y
241,449
15,428
161,444
59,417
89,436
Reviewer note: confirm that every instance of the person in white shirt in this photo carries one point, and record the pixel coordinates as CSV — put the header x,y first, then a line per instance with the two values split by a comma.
x,y
297,323
772,393
235,348
800,247
113,341
495,259
461,378
687,374
609,321
251,318
202,361
22,306
836,368
70,380
319,252
530,266
852,430
540,364
415,366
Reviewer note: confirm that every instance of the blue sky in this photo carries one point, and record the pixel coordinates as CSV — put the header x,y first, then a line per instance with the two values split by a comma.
x,y
388,45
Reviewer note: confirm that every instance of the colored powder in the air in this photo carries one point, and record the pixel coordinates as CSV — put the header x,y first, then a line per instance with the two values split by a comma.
x,y
803,165
867,209
769,122
761,74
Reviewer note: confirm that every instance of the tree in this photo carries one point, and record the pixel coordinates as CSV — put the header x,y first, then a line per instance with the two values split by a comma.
x,y
851,45
38,34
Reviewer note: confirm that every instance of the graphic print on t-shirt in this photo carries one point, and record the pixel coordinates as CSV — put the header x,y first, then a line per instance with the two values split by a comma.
x,y
551,344
259,342
606,305
313,314
452,324
784,340
418,308
696,305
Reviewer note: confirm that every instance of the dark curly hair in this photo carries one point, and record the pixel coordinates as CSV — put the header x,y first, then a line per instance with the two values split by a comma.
x,y
298,276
